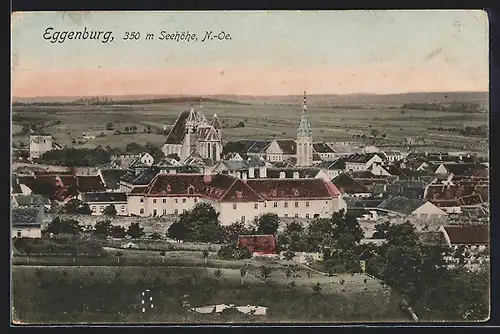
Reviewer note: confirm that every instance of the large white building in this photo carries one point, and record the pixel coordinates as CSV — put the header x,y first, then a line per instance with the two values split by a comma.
x,y
39,144
193,134
236,199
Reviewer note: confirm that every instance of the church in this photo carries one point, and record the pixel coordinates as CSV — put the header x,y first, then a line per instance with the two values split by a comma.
x,y
193,134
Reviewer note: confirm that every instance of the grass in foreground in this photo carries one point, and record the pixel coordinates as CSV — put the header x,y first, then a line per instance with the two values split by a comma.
x,y
113,294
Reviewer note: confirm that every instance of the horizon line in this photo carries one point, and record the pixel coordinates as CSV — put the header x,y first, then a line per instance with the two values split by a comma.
x,y
250,95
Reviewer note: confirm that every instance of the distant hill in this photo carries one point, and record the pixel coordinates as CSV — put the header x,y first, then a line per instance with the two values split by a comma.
x,y
326,99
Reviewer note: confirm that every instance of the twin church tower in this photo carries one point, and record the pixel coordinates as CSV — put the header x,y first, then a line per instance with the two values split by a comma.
x,y
194,136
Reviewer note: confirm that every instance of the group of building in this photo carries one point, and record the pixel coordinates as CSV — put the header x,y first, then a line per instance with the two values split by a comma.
x,y
293,178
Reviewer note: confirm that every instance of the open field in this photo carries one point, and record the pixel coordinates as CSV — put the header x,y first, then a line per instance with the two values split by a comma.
x,y
69,294
329,123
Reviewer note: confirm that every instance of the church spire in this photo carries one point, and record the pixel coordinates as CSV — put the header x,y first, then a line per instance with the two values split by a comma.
x,y
200,115
304,129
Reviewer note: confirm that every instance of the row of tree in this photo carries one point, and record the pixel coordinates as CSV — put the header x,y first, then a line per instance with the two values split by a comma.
x,y
103,228
76,157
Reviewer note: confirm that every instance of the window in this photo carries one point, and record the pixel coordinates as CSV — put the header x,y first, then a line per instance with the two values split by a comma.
x,y
18,233
183,200
242,219
296,215
307,204
190,190
154,200
235,206
101,208
256,206
142,200
286,215
307,215
196,200
265,205
296,204
176,201
164,200
164,211
286,204
176,212
155,213
275,204
141,211
184,210
93,208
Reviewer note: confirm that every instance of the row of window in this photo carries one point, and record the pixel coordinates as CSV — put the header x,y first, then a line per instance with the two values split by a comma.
x,y
102,207
155,212
243,218
275,204
164,200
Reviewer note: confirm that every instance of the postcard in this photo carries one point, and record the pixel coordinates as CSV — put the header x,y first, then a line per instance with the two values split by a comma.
x,y
226,167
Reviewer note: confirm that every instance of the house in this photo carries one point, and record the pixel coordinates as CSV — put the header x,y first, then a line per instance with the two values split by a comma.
x,y
472,236
144,159
413,189
235,199
349,187
332,168
361,162
393,156
85,183
462,193
98,201
31,201
325,152
258,244
50,185
111,178
466,169
379,170
233,156
27,222
414,207
280,149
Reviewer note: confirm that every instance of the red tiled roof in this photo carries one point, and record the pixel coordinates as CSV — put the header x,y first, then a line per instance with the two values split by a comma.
x,y
294,188
455,192
241,192
263,244
472,234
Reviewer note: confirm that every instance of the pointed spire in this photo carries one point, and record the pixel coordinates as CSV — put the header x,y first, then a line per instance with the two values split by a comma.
x,y
304,129
191,120
304,106
200,115
216,122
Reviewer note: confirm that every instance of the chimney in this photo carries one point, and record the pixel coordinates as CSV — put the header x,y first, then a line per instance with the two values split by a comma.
x,y
263,172
282,175
251,172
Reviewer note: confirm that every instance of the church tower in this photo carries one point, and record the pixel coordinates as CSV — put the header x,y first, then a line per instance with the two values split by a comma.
x,y
202,120
190,137
304,139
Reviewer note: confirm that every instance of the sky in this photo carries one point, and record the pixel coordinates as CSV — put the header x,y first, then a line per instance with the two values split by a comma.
x,y
269,53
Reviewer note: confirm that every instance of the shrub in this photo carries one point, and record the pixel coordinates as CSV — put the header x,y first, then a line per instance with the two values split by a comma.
x,y
233,252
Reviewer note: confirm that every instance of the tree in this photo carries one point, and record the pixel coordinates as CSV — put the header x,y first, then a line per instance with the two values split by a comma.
x,y
178,231
218,273
268,223
205,255
317,288
109,126
202,224
265,273
163,254
119,254
243,272
103,228
118,232
381,230
127,129
289,255
110,210
68,226
155,236
135,231
84,209
74,253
